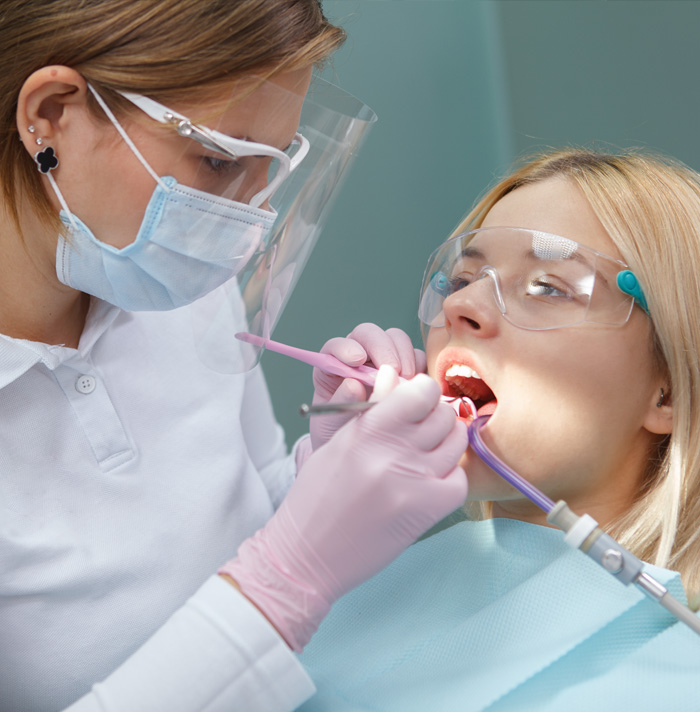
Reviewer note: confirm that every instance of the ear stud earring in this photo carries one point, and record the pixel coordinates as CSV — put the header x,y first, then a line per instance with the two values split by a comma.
x,y
38,140
46,160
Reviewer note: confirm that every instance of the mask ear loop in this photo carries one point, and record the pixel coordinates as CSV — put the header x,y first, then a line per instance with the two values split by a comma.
x,y
47,160
126,138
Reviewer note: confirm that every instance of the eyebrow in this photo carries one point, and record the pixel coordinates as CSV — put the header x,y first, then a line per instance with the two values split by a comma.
x,y
470,251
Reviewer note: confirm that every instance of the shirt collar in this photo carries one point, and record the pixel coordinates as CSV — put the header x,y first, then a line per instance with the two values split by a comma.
x,y
17,356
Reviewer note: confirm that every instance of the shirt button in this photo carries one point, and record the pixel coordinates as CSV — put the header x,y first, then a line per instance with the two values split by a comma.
x,y
85,384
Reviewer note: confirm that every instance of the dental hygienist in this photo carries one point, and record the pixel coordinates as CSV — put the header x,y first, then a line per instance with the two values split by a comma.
x,y
166,166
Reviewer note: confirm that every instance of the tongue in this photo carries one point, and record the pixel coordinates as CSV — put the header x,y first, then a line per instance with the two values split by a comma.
x,y
488,408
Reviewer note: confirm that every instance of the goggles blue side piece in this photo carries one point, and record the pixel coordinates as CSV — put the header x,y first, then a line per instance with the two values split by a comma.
x,y
629,284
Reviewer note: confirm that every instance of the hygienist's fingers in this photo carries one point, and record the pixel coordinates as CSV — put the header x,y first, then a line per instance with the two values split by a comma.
x,y
369,343
405,351
430,433
456,488
327,385
410,402
451,449
323,427
387,379
349,391
421,361
346,350
378,344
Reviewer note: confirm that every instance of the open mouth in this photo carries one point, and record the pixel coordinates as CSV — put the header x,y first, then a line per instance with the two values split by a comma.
x,y
460,380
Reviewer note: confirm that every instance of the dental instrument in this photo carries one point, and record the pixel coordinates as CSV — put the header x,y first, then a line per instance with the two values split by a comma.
x,y
360,406
583,532
306,410
326,362
330,364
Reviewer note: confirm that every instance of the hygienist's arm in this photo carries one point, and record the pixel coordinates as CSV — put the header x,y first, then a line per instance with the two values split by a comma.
x,y
264,438
215,654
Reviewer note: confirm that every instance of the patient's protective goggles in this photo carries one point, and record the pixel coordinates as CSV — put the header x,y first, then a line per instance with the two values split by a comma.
x,y
539,281
246,163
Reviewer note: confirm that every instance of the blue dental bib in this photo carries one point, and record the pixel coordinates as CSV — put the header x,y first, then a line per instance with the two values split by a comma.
x,y
501,615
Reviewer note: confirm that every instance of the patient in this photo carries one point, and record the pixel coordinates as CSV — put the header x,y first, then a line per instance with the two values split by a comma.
x,y
592,393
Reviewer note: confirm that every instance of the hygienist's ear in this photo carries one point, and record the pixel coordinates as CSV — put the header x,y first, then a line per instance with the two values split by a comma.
x,y
659,417
42,103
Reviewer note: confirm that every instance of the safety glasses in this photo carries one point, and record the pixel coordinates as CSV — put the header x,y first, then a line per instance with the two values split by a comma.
x,y
539,281
280,164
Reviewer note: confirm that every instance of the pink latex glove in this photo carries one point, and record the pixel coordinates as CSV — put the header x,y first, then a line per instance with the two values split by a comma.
x,y
357,503
370,344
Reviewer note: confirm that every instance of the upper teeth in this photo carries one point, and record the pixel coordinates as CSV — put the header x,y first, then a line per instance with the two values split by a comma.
x,y
459,369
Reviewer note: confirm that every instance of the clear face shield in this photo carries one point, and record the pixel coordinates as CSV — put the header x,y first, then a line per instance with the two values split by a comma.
x,y
331,129
226,212
538,281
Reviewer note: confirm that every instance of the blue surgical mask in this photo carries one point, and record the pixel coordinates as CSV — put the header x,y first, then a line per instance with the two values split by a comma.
x,y
188,244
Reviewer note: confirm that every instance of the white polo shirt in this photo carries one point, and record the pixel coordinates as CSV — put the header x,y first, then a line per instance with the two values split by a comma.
x,y
128,473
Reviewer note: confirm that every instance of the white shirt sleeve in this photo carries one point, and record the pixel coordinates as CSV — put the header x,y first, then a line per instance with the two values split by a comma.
x,y
264,438
215,654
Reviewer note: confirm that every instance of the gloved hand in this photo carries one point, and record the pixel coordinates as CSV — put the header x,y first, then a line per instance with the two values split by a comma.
x,y
357,503
370,344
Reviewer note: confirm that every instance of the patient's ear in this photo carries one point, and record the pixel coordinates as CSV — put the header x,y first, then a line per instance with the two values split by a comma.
x,y
659,416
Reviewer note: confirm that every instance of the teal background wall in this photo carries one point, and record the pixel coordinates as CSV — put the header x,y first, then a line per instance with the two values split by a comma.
x,y
461,88
622,73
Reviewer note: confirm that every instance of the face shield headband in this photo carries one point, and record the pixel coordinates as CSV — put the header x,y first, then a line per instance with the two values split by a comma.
x,y
538,281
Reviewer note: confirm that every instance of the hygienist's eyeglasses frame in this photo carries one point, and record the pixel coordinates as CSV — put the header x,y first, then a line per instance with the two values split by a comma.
x,y
229,146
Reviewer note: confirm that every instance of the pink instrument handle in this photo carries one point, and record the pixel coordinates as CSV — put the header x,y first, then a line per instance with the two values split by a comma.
x,y
326,362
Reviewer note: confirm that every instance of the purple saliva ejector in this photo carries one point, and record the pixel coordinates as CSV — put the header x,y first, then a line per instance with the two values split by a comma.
x,y
583,532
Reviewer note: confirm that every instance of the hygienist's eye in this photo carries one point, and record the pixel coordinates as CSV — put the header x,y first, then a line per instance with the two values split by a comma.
x,y
221,166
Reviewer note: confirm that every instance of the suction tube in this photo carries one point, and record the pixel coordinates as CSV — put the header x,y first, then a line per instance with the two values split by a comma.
x,y
500,467
583,532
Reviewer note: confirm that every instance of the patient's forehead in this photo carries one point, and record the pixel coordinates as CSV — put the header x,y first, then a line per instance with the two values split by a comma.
x,y
555,205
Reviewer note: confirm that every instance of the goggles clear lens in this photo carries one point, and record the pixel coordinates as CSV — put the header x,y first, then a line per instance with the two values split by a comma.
x,y
240,170
539,281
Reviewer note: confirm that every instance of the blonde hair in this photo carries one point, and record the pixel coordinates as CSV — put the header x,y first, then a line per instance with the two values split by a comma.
x,y
650,206
165,49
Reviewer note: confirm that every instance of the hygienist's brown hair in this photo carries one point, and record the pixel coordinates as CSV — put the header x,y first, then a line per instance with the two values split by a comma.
x,y
168,50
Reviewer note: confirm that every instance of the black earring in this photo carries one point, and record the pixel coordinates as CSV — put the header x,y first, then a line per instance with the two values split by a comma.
x,y
46,160
661,400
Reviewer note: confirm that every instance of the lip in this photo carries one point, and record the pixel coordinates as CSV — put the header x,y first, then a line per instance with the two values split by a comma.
x,y
477,390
